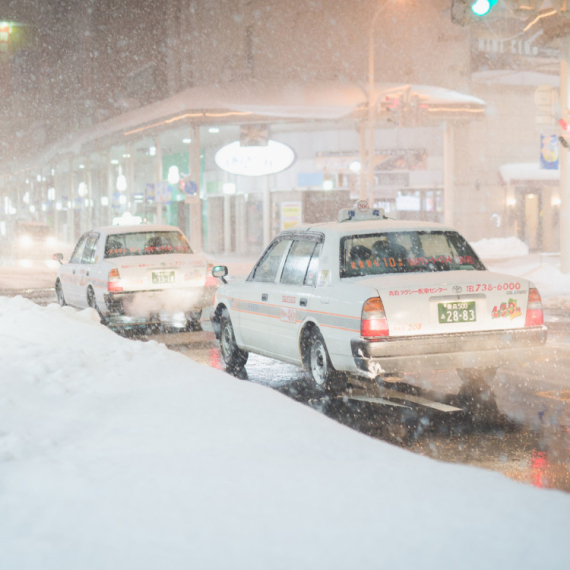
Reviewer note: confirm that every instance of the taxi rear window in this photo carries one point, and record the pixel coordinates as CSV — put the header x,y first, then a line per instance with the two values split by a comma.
x,y
145,243
406,252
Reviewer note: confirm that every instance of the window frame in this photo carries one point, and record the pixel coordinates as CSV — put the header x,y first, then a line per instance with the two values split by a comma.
x,y
83,239
317,236
272,244
305,237
97,235
342,241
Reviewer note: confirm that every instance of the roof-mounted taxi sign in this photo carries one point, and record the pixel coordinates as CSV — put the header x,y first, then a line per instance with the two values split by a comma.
x,y
361,211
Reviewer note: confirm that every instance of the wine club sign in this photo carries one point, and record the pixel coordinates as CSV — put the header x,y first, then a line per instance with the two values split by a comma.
x,y
255,160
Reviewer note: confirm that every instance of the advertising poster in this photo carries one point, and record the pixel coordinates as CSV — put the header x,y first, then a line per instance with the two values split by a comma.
x,y
549,152
291,214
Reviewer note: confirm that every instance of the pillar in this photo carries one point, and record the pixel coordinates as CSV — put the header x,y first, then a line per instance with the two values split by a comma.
x,y
158,178
564,166
70,204
241,225
448,189
266,213
195,202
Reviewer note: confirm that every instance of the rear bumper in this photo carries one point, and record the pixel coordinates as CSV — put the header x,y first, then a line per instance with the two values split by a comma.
x,y
141,303
440,352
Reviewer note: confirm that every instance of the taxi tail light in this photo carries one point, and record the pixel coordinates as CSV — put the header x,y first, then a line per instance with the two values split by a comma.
x,y
534,316
374,322
114,284
211,281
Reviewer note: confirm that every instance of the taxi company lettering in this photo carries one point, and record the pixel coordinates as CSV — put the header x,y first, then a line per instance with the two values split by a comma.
x,y
289,315
511,310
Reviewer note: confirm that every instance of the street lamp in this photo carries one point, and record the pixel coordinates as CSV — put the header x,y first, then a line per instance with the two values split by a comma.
x,y
371,104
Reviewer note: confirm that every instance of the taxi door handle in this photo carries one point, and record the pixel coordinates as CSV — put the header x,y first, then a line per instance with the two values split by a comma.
x,y
303,302
87,274
264,297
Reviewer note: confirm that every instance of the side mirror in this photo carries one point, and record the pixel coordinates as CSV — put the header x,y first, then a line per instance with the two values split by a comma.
x,y
58,257
220,271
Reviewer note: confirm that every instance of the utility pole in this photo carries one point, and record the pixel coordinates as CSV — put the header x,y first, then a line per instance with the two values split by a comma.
x,y
372,102
564,159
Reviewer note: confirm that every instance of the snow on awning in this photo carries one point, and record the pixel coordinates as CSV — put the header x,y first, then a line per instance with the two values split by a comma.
x,y
239,102
323,100
524,172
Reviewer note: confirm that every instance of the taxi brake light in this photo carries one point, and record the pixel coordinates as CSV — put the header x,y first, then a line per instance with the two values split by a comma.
x,y
374,322
534,315
211,281
114,284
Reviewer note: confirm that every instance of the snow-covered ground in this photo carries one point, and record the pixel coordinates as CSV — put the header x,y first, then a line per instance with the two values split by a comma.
x,y
511,256
500,248
29,275
120,454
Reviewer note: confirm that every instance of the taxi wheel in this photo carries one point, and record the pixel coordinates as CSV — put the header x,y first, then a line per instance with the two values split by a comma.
x,y
59,293
234,358
193,321
476,395
320,365
92,302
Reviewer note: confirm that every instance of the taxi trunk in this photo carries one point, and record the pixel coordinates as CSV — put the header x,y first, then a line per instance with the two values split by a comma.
x,y
451,302
148,284
151,272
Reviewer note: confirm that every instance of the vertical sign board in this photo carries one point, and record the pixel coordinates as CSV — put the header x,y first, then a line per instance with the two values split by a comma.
x,y
291,214
549,152
4,60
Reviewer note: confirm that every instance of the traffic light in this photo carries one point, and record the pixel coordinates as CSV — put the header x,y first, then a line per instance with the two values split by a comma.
x,y
482,7
466,11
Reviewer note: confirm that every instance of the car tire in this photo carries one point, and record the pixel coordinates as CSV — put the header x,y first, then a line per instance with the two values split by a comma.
x,y
476,395
476,375
233,357
59,293
193,321
92,302
319,363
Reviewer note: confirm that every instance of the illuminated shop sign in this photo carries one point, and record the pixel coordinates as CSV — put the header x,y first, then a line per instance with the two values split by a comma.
x,y
255,160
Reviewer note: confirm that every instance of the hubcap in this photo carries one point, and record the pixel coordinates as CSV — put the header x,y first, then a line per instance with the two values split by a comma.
x,y
227,342
318,362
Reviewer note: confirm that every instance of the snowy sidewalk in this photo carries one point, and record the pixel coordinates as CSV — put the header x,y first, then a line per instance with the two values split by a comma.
x,y
121,454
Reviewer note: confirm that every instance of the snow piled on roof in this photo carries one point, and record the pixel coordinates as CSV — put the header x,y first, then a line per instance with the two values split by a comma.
x,y
122,454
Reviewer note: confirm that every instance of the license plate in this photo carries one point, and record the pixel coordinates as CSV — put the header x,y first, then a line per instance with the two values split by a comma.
x,y
161,277
457,312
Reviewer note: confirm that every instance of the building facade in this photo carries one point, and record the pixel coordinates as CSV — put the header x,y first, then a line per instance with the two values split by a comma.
x,y
119,108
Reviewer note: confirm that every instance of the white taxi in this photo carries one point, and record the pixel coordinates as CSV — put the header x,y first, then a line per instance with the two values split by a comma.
x,y
146,273
370,296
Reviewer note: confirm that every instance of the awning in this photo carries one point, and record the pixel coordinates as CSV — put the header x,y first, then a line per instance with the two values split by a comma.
x,y
525,172
251,101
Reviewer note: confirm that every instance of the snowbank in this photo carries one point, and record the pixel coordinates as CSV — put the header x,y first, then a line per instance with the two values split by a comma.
x,y
554,286
120,454
499,248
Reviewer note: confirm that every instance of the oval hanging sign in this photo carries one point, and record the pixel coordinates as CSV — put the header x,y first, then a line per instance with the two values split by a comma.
x,y
255,160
